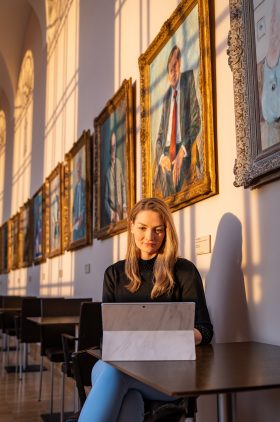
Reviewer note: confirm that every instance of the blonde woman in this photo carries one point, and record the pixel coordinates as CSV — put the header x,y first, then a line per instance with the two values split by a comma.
x,y
152,271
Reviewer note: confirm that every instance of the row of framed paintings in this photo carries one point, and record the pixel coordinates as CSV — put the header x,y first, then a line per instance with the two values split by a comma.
x,y
56,218
178,163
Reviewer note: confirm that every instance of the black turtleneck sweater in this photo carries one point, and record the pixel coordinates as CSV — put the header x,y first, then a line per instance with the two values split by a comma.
x,y
188,288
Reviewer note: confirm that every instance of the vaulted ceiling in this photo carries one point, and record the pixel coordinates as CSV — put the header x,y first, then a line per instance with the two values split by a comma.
x,y
14,18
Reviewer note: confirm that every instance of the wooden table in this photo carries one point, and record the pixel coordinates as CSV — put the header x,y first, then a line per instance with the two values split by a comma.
x,y
222,369
58,320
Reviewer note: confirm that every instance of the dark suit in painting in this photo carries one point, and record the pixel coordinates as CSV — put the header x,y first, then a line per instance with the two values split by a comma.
x,y
190,122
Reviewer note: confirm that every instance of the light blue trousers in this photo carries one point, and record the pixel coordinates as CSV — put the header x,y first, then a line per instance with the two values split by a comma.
x,y
116,396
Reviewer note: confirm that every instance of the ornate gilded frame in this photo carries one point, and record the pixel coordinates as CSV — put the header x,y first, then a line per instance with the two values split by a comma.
x,y
54,211
25,240
39,225
200,178
117,117
253,165
79,234
14,242
4,248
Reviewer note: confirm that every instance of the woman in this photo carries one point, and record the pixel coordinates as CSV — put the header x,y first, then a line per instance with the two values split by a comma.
x,y
151,271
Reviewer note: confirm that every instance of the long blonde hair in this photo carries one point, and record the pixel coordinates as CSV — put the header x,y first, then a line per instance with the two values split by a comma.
x,y
167,254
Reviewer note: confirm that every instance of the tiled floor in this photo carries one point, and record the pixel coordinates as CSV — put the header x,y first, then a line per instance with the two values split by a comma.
x,y
19,398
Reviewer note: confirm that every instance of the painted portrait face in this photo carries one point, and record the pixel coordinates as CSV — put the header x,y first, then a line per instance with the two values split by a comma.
x,y
149,233
174,70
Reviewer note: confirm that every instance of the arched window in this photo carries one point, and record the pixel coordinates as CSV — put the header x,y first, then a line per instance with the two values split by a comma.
x,y
56,12
23,133
2,160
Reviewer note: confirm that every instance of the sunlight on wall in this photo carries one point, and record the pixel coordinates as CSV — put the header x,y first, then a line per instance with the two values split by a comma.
x,y
252,256
23,133
17,282
61,272
62,80
61,119
2,160
253,288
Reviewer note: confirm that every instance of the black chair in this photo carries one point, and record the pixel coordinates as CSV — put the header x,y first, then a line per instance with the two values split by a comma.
x,y
51,343
8,321
90,331
26,331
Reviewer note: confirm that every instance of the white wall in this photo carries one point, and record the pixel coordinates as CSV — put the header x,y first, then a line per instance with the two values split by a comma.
x,y
241,274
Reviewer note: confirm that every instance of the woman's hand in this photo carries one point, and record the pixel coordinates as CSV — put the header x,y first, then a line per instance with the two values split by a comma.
x,y
197,336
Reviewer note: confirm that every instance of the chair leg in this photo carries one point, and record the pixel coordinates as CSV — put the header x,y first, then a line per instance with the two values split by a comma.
x,y
52,370
62,397
8,349
41,379
25,351
20,361
17,354
76,398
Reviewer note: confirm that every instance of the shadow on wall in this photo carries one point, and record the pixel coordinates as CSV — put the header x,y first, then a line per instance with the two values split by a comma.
x,y
225,290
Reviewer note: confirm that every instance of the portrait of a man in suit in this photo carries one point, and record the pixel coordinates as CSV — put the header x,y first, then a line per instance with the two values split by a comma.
x,y
79,202
115,186
179,127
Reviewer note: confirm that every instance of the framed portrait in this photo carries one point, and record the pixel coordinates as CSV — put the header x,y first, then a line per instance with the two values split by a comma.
x,y
177,130
39,226
254,51
25,240
78,193
4,248
13,255
54,211
114,163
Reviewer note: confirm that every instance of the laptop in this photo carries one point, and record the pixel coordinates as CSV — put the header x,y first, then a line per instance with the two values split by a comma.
x,y
148,331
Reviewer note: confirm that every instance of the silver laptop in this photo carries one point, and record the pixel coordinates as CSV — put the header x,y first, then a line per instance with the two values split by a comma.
x,y
148,331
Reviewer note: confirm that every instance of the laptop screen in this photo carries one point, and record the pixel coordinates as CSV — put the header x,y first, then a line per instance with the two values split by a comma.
x,y
148,316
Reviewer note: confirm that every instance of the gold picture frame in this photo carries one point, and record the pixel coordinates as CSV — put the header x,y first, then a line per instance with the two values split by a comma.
x,y
4,248
25,240
39,225
54,212
188,173
14,242
78,193
114,169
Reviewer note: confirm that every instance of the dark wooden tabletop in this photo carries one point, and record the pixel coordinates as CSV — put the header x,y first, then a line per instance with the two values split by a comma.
x,y
55,320
218,368
10,311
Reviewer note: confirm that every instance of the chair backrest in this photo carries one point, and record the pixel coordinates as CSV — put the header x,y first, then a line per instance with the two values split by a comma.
x,y
12,301
51,306
90,328
8,321
30,332
60,306
72,306
51,335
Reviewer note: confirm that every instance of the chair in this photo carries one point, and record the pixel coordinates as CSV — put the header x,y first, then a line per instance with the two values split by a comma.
x,y
8,322
27,332
90,331
51,344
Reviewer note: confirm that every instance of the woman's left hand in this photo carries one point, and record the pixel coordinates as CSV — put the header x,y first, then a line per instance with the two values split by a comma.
x,y
197,336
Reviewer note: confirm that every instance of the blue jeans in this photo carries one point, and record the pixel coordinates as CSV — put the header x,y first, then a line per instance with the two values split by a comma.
x,y
116,396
